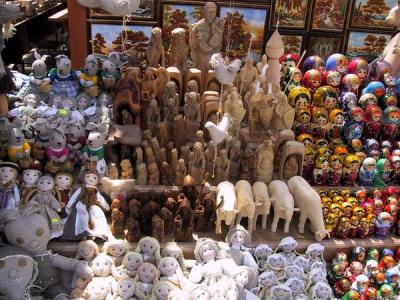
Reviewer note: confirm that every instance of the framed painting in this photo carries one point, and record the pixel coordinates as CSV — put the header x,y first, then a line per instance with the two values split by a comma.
x,y
147,11
290,13
243,26
323,46
371,14
293,43
108,37
329,14
368,45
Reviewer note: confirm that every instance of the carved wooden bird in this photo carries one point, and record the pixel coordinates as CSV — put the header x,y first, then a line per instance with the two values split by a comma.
x,y
225,73
219,132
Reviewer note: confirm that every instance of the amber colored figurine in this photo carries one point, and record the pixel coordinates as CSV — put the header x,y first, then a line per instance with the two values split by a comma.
x,y
183,222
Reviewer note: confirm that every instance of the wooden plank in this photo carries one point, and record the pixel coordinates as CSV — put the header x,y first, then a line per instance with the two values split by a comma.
x,y
78,34
59,17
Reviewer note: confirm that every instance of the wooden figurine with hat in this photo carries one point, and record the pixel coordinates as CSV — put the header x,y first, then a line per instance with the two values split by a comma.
x,y
9,193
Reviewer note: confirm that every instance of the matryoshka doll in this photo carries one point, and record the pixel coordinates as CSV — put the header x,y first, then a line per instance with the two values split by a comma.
x,y
293,79
375,87
363,229
386,148
373,122
354,226
313,62
336,121
319,124
308,164
351,167
391,122
390,83
312,80
299,98
337,62
288,61
354,128
359,67
333,79
395,172
343,229
325,97
335,170
367,172
347,101
320,172
341,151
382,172
303,122
366,100
351,83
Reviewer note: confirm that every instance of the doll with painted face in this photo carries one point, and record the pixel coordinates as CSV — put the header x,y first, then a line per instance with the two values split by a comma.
x,y
390,83
63,189
308,163
293,79
261,253
354,127
337,62
303,122
174,251
170,271
312,80
391,123
30,178
350,169
355,268
395,172
116,249
313,62
326,97
288,246
85,211
321,291
162,290
336,122
266,281
332,79
288,61
367,172
366,100
239,241
320,172
373,122
281,292
276,263
125,289
147,276
359,67
149,248
319,126
351,83
299,98
383,224
335,170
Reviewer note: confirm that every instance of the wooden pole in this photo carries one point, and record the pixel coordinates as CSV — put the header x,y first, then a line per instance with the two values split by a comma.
x,y
78,33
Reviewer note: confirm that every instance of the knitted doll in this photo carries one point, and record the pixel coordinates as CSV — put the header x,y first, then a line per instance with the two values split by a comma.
x,y
63,190
30,178
9,193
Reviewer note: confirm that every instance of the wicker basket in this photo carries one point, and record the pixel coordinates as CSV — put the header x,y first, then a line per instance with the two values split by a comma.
x,y
52,167
38,153
25,163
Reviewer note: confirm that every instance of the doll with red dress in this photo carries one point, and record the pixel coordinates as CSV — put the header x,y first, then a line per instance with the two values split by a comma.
x,y
336,122
319,126
391,123
359,67
312,80
351,83
373,122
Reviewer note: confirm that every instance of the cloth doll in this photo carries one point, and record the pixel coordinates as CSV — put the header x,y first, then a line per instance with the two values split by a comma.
x,y
315,252
147,276
149,248
98,289
317,275
49,205
76,140
86,252
261,254
170,271
266,281
126,289
9,193
38,84
303,262
116,249
18,272
200,292
93,151
321,291
162,290
29,230
17,148
298,288
88,78
63,189
276,263
130,264
179,295
293,271
57,152
63,78
102,266
281,292
288,246
30,178
173,250
239,241
85,215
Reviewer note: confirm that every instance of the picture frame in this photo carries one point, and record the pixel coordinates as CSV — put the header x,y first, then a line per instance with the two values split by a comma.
x,y
368,45
324,46
369,15
106,36
250,26
148,11
290,13
329,15
293,42
178,14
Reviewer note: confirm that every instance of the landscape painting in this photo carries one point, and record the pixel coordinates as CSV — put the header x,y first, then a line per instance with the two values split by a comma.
x,y
329,14
371,13
323,46
106,38
242,26
292,43
146,11
178,15
367,45
290,13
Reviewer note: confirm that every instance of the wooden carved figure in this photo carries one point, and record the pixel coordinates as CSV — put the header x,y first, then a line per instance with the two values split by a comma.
x,y
153,117
197,163
245,203
181,172
166,174
205,213
192,86
157,228
234,107
192,115
205,38
153,173
248,74
283,117
178,50
222,167
235,155
183,223
155,50
265,159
